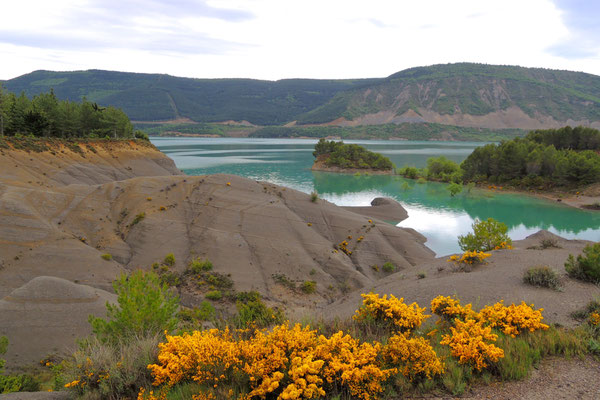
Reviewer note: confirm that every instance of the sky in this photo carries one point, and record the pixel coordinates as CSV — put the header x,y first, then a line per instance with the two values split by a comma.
x,y
276,39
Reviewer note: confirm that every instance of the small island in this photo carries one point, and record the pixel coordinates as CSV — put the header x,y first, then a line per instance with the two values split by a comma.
x,y
332,156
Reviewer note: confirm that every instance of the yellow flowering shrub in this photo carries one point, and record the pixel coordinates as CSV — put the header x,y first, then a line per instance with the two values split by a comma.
x,y
449,308
470,257
503,245
285,363
204,356
351,364
468,342
513,319
414,357
403,317
594,319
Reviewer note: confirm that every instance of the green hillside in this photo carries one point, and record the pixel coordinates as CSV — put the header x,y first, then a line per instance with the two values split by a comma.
x,y
439,94
474,89
154,97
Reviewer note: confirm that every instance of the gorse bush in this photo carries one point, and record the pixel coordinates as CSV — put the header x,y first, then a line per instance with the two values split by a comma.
x,y
586,266
145,306
542,276
297,362
487,235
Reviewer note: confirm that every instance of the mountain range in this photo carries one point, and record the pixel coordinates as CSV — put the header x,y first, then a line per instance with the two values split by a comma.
x,y
460,95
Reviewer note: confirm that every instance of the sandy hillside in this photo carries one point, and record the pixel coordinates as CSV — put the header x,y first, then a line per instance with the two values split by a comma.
x,y
501,278
62,209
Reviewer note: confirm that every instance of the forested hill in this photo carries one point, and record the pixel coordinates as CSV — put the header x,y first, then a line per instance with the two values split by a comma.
x,y
154,97
465,95
475,95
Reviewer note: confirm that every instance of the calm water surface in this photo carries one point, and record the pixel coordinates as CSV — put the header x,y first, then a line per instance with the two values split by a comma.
x,y
431,210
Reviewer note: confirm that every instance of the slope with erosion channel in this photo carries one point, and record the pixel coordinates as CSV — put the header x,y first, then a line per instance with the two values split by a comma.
x,y
60,212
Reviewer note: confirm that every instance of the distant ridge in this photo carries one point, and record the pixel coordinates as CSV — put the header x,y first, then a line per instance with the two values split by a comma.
x,y
463,94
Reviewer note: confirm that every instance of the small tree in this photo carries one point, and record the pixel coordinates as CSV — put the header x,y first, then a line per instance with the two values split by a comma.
x,y
454,188
487,235
145,307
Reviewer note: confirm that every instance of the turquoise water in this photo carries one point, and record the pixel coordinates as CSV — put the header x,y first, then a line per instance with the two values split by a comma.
x,y
431,210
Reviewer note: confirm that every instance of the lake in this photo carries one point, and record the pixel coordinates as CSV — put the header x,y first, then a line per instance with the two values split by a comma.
x,y
431,209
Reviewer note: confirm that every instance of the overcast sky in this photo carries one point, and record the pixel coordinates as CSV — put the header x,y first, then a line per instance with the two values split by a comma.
x,y
274,39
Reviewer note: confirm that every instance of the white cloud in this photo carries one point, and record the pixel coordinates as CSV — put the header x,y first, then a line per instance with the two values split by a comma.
x,y
273,39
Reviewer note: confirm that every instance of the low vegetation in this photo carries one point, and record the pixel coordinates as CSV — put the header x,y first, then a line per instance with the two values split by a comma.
x,y
542,276
339,154
586,266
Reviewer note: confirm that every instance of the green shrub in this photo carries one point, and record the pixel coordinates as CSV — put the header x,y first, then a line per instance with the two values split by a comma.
x,y
409,172
542,276
3,347
106,257
587,265
252,312
198,266
169,260
219,280
145,306
421,180
205,312
138,218
284,280
454,188
214,295
486,236
308,287
18,383
421,275
388,267
14,383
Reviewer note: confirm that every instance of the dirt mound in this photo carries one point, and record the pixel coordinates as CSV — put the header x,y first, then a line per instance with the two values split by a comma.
x,y
62,163
382,208
500,279
47,315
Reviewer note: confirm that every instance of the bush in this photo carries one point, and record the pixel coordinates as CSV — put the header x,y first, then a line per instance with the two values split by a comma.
x,y
145,307
214,295
198,266
587,266
252,312
205,312
454,188
169,260
388,267
487,235
18,383
409,172
138,218
542,277
314,196
308,287
106,257
99,370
